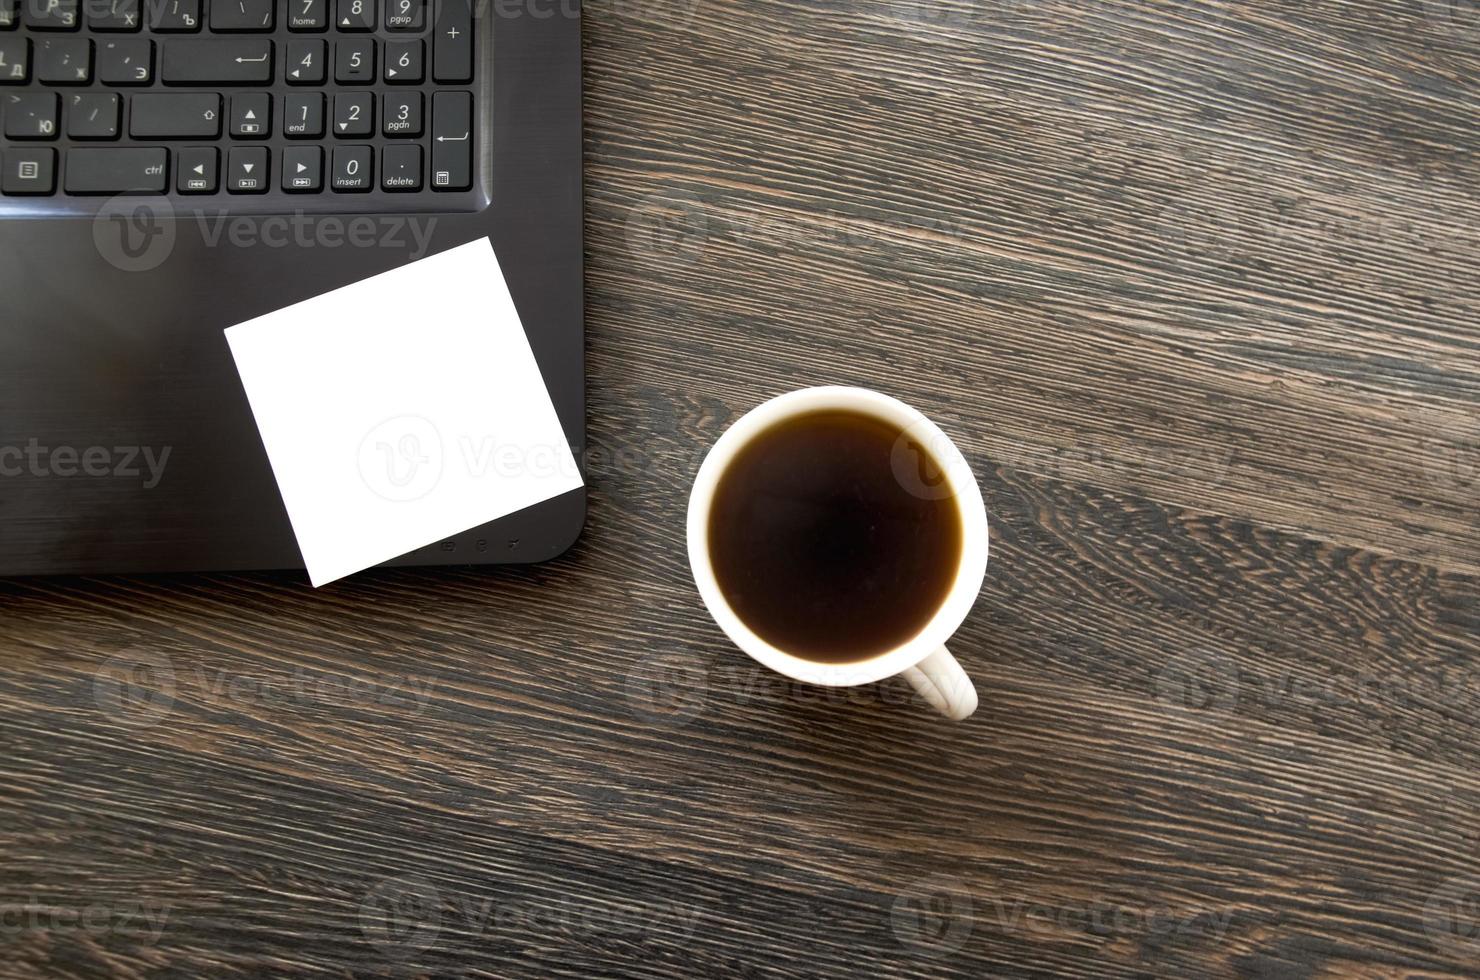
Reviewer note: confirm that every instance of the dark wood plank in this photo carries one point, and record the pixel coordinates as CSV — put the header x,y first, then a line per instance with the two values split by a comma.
x,y
1192,284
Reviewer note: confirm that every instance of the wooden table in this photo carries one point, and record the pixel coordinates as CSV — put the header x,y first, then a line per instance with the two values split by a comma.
x,y
1193,284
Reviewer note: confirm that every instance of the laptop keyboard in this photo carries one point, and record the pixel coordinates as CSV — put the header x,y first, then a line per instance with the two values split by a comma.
x,y
357,101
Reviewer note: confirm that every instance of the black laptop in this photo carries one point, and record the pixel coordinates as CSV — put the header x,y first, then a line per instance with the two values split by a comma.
x,y
171,167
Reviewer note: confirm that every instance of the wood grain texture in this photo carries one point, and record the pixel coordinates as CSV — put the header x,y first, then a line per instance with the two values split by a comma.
x,y
1192,284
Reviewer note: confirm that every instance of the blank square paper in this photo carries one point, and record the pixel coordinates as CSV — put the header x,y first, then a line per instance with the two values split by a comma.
x,y
402,410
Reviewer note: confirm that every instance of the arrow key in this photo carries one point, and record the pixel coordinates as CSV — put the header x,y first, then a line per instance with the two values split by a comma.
x,y
307,62
303,169
246,170
251,116
195,170
354,114
403,62
355,15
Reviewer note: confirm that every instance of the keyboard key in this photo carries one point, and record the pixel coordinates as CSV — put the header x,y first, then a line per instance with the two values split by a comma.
x,y
353,169
400,167
251,116
354,62
452,45
10,14
241,15
308,15
405,15
452,141
15,59
171,116
92,116
246,170
355,15
29,170
195,170
216,61
50,15
174,15
31,115
354,114
303,115
402,114
306,62
126,61
113,15
403,62
116,170
303,169
64,61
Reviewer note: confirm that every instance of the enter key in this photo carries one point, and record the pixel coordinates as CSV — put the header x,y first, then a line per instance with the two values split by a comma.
x,y
452,141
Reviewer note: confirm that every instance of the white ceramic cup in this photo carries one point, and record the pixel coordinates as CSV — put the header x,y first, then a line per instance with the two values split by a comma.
x,y
923,660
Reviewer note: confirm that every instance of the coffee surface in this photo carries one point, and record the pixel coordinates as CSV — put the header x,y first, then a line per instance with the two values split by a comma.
x,y
826,541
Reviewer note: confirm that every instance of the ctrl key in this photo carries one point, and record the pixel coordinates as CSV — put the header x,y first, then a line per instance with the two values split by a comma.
x,y
29,171
116,170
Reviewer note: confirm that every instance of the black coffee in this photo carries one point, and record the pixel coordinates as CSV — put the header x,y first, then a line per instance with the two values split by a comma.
x,y
821,547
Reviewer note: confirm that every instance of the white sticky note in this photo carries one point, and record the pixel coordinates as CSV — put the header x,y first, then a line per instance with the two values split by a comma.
x,y
401,410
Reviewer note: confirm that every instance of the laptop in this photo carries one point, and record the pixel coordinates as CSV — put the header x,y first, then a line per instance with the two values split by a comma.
x,y
169,168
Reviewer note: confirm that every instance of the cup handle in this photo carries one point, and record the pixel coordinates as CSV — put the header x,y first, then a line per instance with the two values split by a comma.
x,y
940,680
